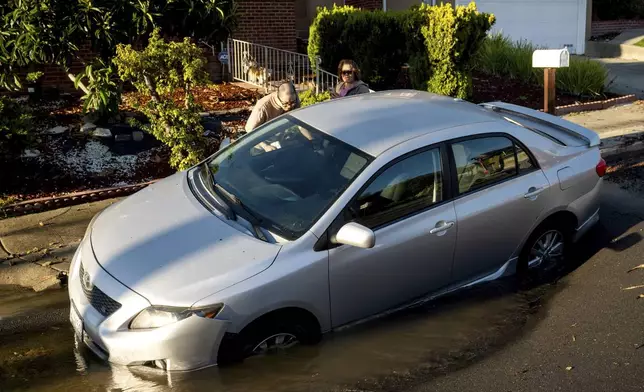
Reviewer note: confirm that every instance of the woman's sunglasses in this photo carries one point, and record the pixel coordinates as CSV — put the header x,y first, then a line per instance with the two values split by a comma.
x,y
347,73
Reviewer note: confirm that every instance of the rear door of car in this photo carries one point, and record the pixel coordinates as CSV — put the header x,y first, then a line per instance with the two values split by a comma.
x,y
500,192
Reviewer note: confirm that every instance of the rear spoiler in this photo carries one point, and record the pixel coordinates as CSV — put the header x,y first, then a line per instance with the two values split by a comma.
x,y
591,138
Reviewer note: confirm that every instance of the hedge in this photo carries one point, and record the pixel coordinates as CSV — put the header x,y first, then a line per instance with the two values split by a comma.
x,y
438,42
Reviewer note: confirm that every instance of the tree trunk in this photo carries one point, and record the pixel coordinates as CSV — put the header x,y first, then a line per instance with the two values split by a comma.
x,y
186,99
153,89
80,84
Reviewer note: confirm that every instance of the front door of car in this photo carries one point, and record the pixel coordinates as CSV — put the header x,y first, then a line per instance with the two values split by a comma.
x,y
407,207
500,193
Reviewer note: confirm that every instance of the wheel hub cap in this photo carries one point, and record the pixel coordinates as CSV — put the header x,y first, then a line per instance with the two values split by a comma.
x,y
275,342
547,250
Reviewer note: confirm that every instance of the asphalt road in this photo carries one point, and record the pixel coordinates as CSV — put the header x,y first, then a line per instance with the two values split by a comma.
x,y
590,337
583,332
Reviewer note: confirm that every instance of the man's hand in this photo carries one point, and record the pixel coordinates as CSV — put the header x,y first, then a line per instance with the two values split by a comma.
x,y
267,147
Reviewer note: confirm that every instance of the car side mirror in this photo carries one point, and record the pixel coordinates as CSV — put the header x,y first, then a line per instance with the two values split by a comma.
x,y
355,234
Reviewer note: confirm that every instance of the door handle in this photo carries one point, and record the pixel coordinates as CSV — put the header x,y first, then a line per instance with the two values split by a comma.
x,y
441,227
533,192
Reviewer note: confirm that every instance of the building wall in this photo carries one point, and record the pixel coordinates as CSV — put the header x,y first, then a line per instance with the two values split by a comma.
x,y
365,4
267,22
400,5
305,11
589,19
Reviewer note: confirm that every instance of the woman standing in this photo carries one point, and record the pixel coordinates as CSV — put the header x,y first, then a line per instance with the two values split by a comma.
x,y
350,83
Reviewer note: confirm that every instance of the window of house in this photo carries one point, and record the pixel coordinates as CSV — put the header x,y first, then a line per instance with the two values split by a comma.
x,y
406,187
485,161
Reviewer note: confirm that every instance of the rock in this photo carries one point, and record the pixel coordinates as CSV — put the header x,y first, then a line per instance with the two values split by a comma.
x,y
212,125
62,267
114,119
47,284
88,127
29,153
90,118
124,137
137,136
56,130
156,159
102,132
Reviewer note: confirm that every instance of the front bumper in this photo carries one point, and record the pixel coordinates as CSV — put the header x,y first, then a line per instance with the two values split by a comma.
x,y
189,344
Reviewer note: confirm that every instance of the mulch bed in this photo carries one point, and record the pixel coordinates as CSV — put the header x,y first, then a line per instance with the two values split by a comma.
x,y
215,97
492,88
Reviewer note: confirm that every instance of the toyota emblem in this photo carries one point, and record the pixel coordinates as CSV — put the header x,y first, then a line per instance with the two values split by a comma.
x,y
86,281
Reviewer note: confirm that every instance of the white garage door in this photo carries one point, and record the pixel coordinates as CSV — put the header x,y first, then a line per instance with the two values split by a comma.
x,y
552,24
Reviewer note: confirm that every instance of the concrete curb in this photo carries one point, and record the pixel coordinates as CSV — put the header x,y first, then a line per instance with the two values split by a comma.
x,y
612,154
39,270
611,50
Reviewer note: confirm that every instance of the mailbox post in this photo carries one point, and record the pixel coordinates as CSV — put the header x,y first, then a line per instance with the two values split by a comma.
x,y
550,60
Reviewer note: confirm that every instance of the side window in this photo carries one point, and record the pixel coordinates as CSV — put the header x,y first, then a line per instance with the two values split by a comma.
x,y
525,163
407,186
485,161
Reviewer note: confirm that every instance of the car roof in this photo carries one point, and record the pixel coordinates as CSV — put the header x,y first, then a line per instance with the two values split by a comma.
x,y
376,122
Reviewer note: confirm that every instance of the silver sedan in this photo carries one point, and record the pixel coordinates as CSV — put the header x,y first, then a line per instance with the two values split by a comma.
x,y
326,217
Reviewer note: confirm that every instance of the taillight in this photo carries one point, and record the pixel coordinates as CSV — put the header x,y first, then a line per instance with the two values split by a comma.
x,y
601,168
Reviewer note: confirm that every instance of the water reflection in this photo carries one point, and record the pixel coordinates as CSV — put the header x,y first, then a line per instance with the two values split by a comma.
x,y
382,355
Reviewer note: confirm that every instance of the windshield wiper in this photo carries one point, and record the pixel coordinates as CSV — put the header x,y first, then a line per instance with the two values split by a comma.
x,y
219,198
253,219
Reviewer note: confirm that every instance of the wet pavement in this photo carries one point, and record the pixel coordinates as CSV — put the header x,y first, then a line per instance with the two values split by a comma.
x,y
479,340
433,339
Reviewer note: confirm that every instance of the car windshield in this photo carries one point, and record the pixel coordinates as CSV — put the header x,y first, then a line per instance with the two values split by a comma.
x,y
286,174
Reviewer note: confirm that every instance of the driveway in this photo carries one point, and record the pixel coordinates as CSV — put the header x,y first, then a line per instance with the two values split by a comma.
x,y
625,76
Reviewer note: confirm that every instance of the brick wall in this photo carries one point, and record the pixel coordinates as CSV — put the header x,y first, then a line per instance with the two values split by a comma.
x,y
267,22
365,4
600,27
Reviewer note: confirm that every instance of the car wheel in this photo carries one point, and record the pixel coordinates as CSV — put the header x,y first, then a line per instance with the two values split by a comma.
x,y
270,335
276,335
544,254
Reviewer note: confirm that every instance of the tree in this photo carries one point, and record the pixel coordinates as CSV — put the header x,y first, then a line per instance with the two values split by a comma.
x,y
52,31
157,71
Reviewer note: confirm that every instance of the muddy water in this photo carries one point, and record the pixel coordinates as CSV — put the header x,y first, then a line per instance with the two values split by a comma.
x,y
388,354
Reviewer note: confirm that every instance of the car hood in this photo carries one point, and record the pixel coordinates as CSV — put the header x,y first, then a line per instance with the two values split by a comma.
x,y
163,244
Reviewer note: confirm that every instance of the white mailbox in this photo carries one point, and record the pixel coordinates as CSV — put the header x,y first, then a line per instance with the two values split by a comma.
x,y
551,58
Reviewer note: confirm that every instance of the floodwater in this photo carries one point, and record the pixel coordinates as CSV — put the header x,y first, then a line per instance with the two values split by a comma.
x,y
392,353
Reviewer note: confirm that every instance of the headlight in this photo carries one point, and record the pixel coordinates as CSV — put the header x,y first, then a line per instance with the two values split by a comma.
x,y
156,317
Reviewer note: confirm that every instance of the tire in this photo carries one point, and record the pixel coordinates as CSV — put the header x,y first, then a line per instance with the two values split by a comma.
x,y
268,335
544,254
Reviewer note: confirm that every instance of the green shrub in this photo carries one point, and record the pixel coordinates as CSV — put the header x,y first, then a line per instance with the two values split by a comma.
x,y
102,92
583,77
15,127
157,71
33,77
309,97
499,56
438,42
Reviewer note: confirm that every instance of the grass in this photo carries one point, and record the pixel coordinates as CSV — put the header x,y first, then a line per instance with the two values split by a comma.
x,y
500,56
640,43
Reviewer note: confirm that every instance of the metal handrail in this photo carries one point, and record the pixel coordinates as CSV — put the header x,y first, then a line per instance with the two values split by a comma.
x,y
268,67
